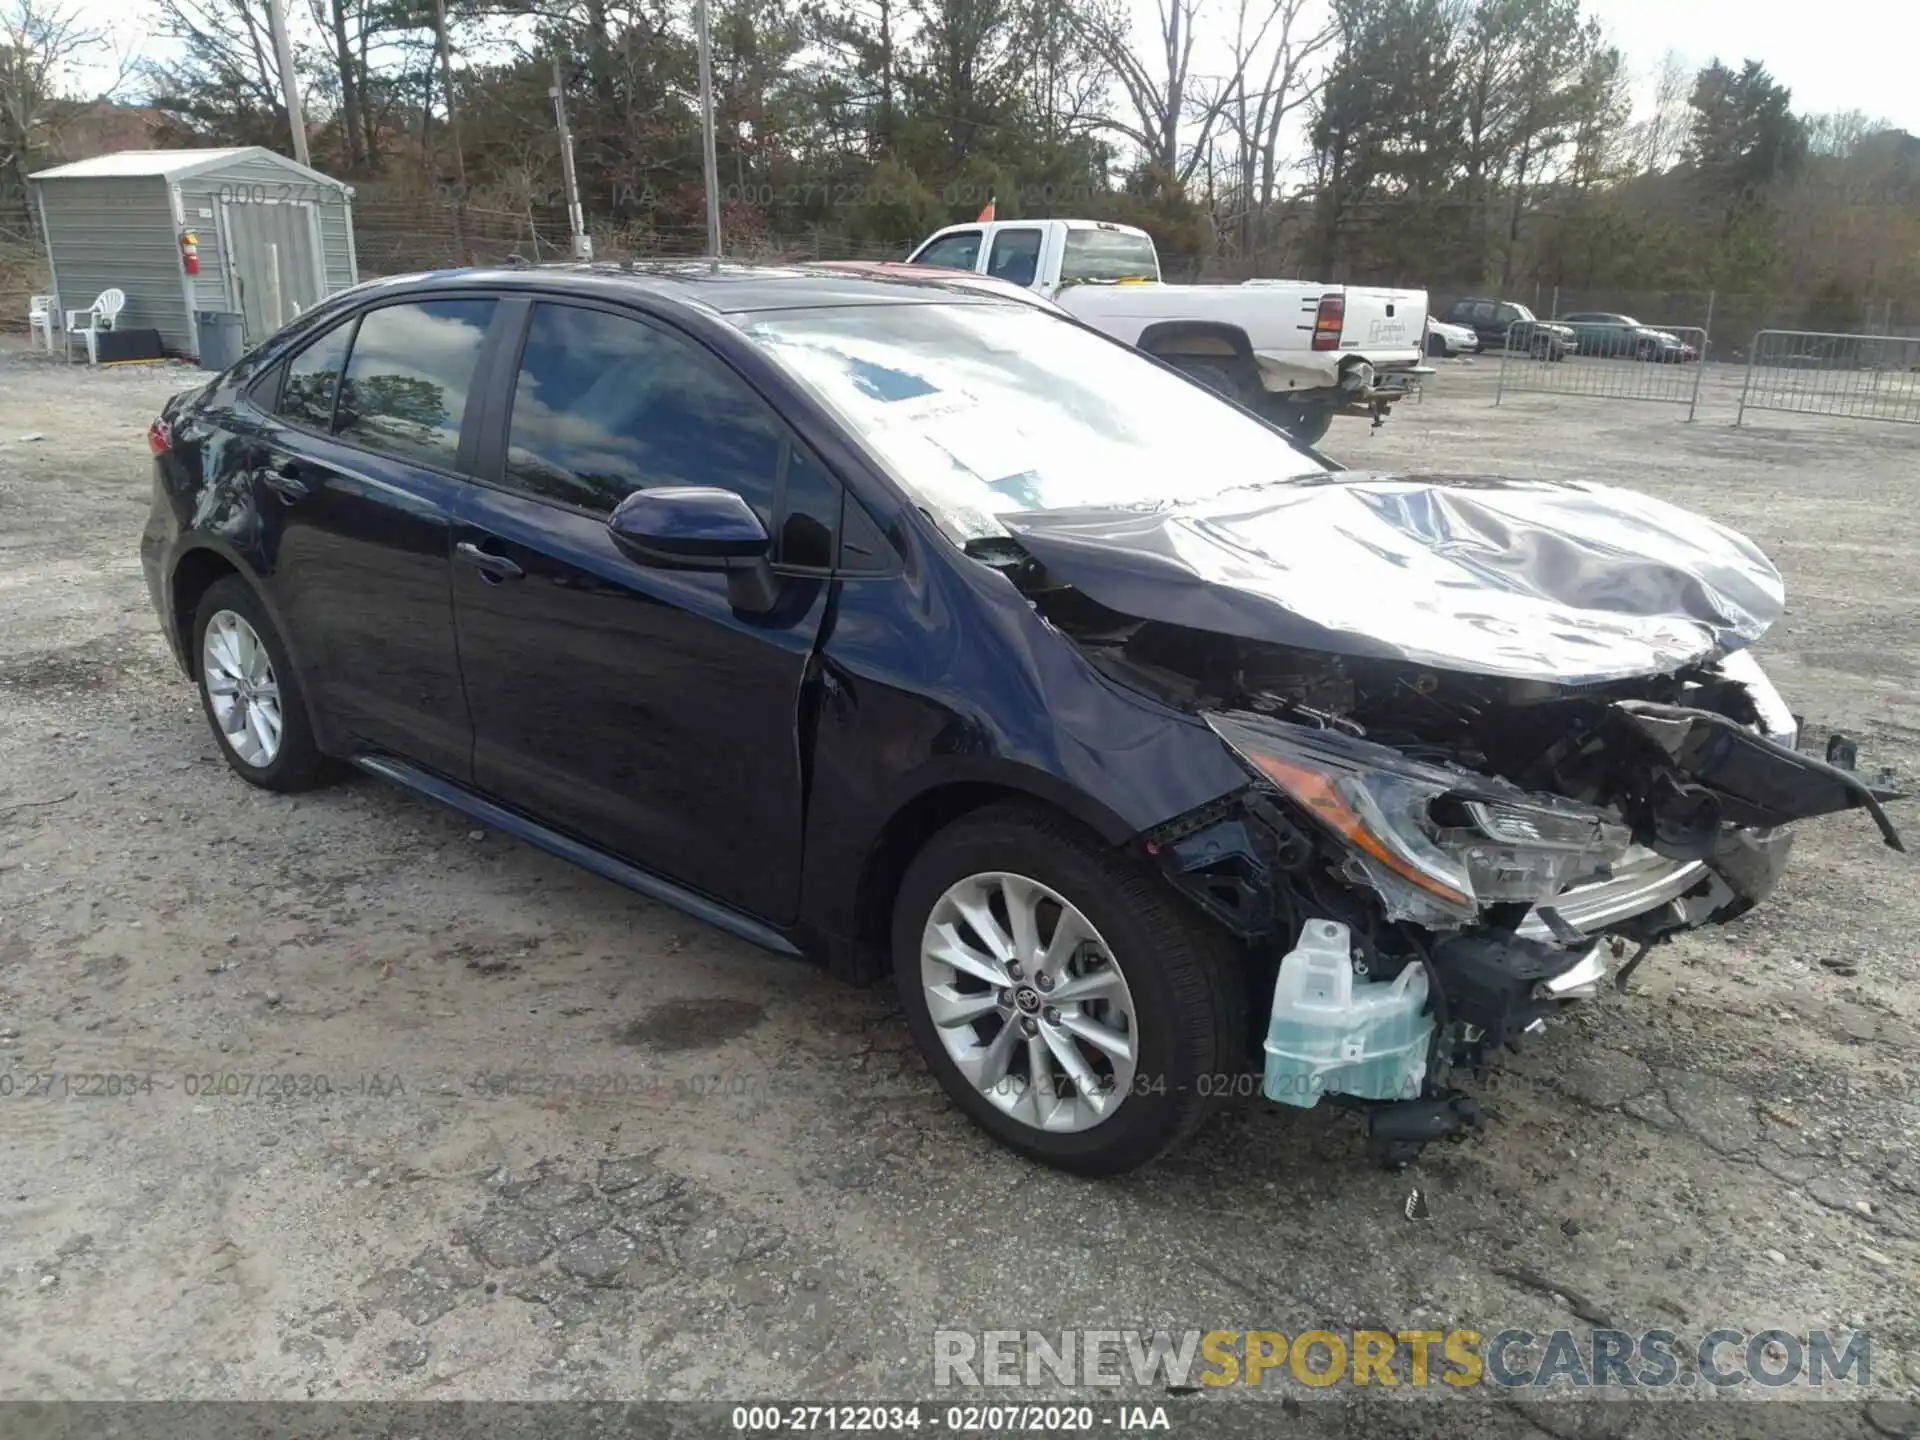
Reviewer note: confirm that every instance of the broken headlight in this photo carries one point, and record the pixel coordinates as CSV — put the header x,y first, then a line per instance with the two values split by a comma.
x,y
1776,720
1435,841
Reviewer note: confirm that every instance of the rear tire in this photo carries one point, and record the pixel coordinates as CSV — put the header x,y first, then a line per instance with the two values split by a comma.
x,y
1307,423
1178,991
250,694
1219,375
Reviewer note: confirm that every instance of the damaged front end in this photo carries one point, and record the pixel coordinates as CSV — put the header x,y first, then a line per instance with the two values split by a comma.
x,y
1540,748
1436,913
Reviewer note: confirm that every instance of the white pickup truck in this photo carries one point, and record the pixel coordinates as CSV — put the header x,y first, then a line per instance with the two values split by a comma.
x,y
1297,352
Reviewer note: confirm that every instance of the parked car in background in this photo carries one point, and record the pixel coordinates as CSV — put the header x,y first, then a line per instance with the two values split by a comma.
x,y
906,625
1444,339
1606,336
1504,323
1295,351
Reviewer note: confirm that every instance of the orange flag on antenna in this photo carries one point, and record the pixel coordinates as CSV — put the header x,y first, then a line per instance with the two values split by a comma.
x,y
986,214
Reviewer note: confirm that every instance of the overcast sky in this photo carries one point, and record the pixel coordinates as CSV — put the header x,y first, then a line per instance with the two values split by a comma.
x,y
1856,55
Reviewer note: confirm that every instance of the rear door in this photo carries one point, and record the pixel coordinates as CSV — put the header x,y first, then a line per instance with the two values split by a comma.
x,y
358,465
631,706
1014,255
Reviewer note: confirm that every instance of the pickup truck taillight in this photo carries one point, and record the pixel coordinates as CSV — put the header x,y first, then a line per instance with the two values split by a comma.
x,y
159,437
1328,321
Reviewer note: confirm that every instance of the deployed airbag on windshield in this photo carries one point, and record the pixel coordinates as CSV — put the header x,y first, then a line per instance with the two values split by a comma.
x,y
1531,580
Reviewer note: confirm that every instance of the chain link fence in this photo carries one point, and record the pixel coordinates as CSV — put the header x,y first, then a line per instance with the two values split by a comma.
x,y
1857,377
1604,360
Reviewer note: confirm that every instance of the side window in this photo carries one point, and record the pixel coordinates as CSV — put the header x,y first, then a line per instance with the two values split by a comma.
x,y
1483,313
306,395
811,514
1015,256
1506,315
959,251
606,405
405,390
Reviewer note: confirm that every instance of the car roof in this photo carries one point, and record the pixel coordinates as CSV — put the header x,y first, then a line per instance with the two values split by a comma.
x,y
726,288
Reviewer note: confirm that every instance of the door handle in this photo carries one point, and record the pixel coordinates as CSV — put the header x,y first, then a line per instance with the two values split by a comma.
x,y
493,568
285,479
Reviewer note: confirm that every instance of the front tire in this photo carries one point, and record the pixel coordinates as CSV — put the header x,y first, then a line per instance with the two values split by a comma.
x,y
1070,1003
249,692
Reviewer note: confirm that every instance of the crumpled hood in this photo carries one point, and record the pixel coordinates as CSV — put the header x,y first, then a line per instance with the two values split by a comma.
x,y
1566,582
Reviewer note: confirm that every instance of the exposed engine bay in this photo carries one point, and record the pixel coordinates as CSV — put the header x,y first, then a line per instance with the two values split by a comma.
x,y
1431,860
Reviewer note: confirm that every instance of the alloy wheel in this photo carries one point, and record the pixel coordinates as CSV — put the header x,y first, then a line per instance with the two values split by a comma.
x,y
241,688
1029,1002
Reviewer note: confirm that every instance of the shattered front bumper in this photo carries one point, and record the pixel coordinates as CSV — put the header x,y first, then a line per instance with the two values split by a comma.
x,y
1686,893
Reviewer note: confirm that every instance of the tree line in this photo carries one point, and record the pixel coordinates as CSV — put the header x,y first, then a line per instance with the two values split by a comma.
x,y
1459,144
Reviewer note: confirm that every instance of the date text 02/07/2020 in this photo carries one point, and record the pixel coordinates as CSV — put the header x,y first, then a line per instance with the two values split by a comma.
x,y
963,1419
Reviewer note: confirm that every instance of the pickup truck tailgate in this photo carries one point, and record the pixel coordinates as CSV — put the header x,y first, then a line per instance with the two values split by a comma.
x,y
1385,326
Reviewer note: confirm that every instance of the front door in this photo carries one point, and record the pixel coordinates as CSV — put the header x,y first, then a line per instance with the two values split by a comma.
x,y
632,706
273,259
356,475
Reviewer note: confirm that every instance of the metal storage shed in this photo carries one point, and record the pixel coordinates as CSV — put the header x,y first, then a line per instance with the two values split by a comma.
x,y
273,237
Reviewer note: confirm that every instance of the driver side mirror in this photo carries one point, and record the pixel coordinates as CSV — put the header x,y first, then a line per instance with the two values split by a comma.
x,y
700,527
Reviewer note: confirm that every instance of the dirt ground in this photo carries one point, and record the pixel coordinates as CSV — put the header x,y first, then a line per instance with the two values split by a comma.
x,y
414,1110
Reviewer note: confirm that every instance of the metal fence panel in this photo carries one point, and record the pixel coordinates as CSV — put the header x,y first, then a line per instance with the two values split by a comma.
x,y
1604,361
1859,377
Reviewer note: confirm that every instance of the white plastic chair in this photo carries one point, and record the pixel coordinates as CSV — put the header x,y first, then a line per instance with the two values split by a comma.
x,y
40,319
88,323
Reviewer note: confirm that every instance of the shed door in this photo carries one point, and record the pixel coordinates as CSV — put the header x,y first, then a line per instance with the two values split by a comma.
x,y
273,258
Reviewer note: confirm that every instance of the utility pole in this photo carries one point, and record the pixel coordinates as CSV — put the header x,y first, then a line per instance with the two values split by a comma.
x,y
706,133
453,129
576,218
289,82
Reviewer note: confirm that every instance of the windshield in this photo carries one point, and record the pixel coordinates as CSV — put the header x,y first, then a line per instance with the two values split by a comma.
x,y
982,410
1521,312
1108,255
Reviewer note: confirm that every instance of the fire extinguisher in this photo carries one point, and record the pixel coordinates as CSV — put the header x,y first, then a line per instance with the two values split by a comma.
x,y
190,251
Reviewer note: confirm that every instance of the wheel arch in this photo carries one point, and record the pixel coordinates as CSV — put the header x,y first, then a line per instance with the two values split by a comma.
x,y
916,820
196,570
1196,337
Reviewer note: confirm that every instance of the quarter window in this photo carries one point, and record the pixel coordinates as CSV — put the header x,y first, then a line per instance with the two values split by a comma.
x,y
306,395
405,390
811,511
605,405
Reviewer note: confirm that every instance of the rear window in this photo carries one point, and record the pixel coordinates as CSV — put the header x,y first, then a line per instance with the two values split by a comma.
x,y
1108,255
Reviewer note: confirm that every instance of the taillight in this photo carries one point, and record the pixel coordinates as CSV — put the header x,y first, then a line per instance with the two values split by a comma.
x,y
159,437
1328,322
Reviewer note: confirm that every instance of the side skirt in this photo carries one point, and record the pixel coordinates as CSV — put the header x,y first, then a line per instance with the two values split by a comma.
x,y
720,916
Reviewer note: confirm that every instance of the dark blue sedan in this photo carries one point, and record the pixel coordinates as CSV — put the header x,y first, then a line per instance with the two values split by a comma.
x,y
897,623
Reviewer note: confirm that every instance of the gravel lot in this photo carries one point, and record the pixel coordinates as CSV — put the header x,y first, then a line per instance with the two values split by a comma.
x,y
721,1175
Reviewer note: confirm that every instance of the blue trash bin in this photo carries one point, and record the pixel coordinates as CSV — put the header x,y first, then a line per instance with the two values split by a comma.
x,y
223,338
